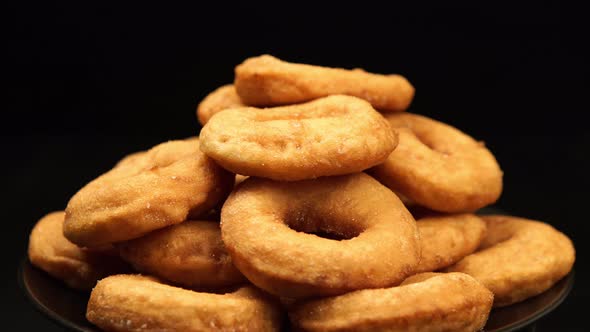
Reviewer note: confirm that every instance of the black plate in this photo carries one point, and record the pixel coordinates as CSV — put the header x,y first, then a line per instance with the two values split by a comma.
x,y
67,307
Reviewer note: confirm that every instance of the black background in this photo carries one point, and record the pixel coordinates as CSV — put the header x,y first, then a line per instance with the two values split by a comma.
x,y
89,83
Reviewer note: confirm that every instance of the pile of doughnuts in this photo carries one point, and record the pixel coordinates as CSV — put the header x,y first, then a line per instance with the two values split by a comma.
x,y
310,201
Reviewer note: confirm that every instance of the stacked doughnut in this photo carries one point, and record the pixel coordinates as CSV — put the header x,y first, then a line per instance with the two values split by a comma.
x,y
311,200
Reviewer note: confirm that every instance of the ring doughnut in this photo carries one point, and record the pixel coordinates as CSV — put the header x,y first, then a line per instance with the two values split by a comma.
x,y
264,225
447,239
163,186
139,303
222,98
79,268
438,166
268,81
329,136
518,258
190,254
424,302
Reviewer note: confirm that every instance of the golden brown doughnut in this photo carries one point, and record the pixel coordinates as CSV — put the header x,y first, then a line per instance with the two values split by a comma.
x,y
266,228
518,259
425,302
139,303
189,254
438,166
164,186
446,239
329,136
79,268
222,98
268,81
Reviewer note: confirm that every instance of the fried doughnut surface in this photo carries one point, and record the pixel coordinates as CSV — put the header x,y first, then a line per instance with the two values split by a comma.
x,y
265,226
79,268
329,136
240,178
268,81
438,166
446,239
518,258
425,302
190,253
220,99
138,303
146,191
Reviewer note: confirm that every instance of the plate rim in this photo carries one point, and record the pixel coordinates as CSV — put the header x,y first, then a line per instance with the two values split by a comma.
x,y
569,285
52,316
38,305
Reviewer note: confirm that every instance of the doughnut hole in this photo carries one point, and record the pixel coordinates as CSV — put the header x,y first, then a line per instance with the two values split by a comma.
x,y
326,227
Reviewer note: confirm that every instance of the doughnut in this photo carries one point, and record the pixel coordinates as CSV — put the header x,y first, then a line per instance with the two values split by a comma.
x,y
268,81
330,136
439,167
79,268
518,258
222,98
140,303
164,186
190,254
447,239
425,302
316,237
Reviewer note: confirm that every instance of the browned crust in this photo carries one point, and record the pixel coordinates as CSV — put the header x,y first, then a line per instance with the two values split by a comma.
x,y
289,262
329,136
138,303
164,186
433,302
79,268
189,254
446,239
268,81
438,166
519,258
220,99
